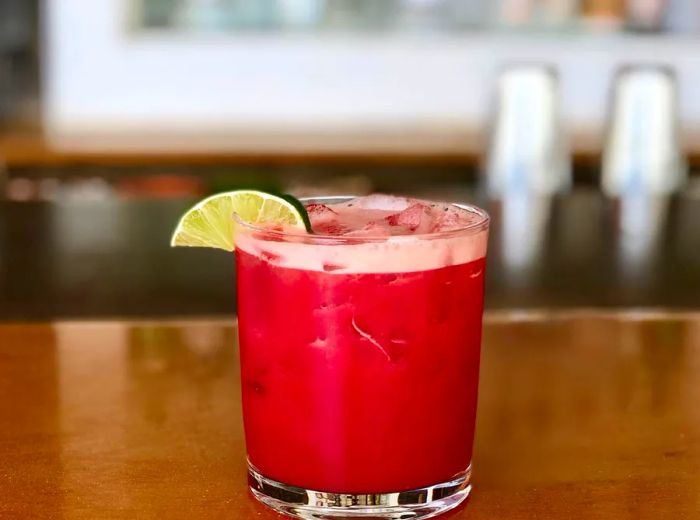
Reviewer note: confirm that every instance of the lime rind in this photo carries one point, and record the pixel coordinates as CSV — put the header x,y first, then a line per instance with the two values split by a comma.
x,y
301,209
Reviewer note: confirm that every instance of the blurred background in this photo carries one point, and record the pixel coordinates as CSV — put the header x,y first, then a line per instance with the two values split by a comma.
x,y
573,122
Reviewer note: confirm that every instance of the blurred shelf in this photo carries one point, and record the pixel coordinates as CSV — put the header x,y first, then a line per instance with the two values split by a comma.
x,y
21,148
32,149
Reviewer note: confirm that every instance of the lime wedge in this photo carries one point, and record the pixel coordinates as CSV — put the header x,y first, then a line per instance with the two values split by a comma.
x,y
209,223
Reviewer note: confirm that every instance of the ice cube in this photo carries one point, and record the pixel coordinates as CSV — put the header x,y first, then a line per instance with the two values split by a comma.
x,y
320,210
371,229
381,201
448,218
329,228
324,220
417,218
381,215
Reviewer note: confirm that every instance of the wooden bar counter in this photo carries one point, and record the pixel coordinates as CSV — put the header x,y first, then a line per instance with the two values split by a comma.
x,y
581,415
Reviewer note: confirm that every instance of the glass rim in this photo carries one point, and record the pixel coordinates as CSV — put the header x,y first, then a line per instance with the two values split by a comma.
x,y
473,228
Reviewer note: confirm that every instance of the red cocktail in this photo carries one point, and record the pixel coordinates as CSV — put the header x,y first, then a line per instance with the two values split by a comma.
x,y
360,356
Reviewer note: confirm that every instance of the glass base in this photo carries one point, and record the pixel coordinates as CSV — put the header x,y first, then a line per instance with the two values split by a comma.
x,y
302,503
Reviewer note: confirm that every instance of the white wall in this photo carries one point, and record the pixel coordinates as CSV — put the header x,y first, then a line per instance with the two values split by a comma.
x,y
103,85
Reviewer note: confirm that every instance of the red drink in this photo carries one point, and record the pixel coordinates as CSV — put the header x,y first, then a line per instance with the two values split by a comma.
x,y
360,357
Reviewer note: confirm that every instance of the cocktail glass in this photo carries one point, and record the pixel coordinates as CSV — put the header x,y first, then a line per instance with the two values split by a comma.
x,y
359,368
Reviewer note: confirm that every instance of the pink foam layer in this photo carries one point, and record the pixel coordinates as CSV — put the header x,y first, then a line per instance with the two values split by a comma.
x,y
396,254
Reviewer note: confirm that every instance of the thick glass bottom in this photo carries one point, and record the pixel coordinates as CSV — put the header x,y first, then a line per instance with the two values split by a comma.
x,y
302,503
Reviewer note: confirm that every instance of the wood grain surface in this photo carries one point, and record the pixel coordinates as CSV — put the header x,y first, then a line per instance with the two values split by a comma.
x,y
580,416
